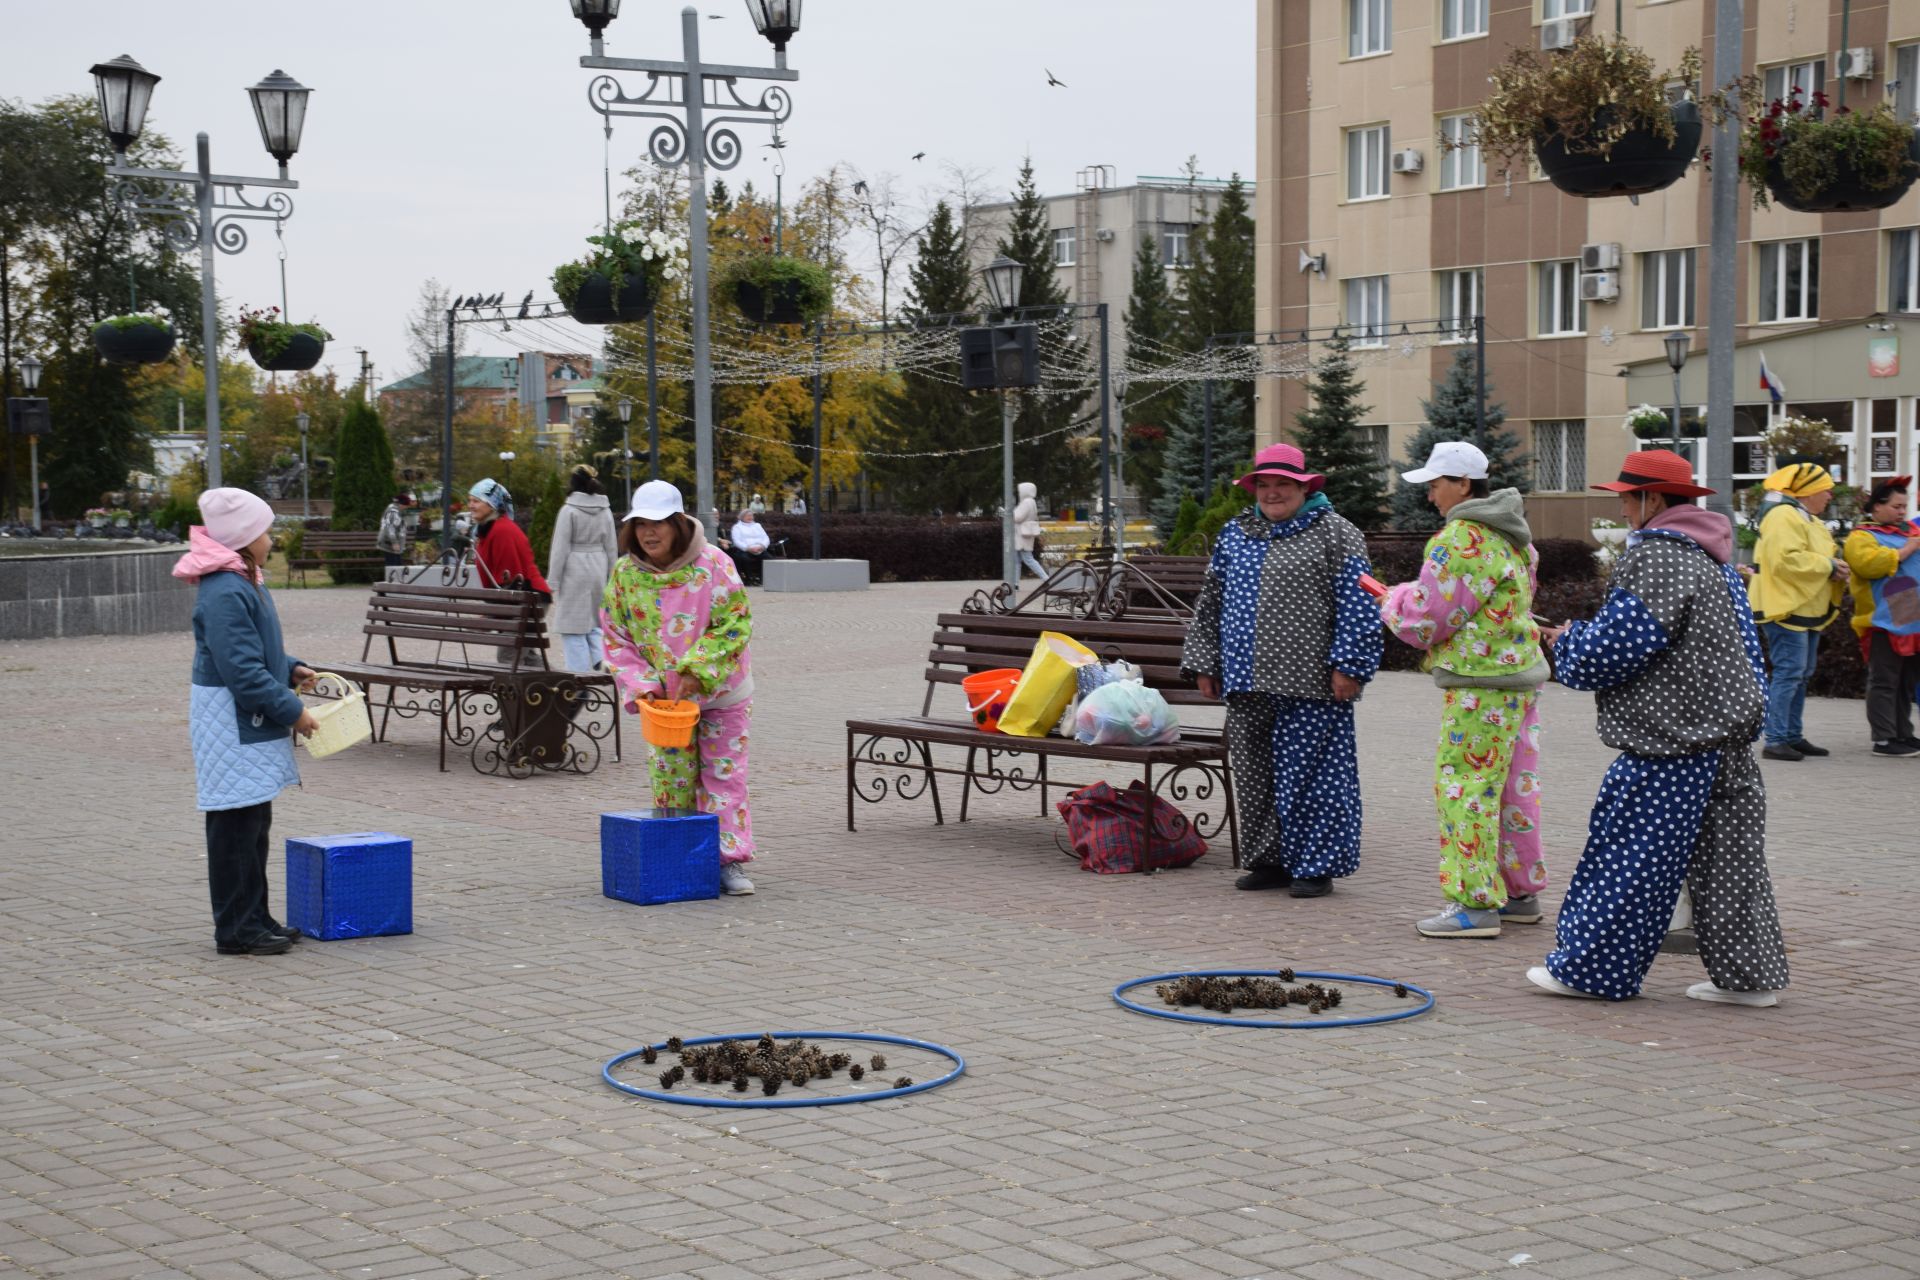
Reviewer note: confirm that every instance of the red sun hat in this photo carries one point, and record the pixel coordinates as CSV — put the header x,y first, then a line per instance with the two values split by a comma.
x,y
1285,461
1655,471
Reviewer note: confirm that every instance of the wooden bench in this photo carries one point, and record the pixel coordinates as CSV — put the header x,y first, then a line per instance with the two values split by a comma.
x,y
535,720
1192,769
1157,585
348,548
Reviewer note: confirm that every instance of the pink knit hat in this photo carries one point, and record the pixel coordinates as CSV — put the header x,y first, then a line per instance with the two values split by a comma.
x,y
234,517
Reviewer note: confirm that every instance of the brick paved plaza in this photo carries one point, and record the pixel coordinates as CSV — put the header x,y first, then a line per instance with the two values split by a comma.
x,y
430,1106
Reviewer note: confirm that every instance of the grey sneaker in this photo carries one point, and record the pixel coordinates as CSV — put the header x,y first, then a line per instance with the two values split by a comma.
x,y
734,881
1456,921
1541,978
1521,910
1720,995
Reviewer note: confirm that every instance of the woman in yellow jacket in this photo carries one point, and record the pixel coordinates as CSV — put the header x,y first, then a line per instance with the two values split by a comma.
x,y
1886,614
1795,594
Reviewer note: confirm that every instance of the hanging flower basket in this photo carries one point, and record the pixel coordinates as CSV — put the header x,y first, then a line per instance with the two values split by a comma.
x,y
775,289
1795,154
280,347
1641,160
1649,423
133,339
627,272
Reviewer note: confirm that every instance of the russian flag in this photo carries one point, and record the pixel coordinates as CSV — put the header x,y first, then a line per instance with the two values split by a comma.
x,y
1771,384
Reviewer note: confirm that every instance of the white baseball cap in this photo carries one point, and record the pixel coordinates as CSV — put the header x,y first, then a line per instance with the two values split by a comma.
x,y
658,499
1455,459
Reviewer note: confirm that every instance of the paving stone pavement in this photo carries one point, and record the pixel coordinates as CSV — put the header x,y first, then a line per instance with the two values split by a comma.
x,y
430,1106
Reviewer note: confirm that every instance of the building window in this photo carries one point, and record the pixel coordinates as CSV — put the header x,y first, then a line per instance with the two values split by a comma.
x,y
1903,257
1063,241
1561,311
1462,18
1551,9
1367,311
1369,27
1789,281
1666,289
1369,152
1173,244
1460,293
1559,457
1807,77
1906,89
1460,162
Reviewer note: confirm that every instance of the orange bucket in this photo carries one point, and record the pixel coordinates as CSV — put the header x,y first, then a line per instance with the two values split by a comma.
x,y
987,693
665,723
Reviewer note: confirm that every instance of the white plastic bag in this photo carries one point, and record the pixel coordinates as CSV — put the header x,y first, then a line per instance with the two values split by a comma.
x,y
1089,678
1125,713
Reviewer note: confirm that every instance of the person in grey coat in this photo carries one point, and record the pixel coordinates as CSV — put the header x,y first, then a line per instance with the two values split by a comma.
x,y
578,563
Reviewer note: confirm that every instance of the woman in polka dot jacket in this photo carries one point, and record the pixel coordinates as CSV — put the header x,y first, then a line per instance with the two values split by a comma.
x,y
1283,631
1674,662
1471,609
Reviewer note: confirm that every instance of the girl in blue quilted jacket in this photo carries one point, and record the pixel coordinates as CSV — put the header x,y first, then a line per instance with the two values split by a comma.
x,y
243,715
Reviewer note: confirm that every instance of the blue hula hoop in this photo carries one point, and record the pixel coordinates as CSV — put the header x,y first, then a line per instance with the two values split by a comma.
x,y
1290,1024
699,1100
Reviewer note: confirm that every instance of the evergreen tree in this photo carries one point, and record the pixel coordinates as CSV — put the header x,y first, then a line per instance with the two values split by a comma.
x,y
1451,415
923,413
1216,289
1184,471
1152,323
363,469
1329,434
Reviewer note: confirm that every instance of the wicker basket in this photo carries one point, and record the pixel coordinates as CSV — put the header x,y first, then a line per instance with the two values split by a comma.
x,y
343,721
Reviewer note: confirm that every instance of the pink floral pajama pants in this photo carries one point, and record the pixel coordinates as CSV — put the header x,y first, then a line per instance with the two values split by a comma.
x,y
710,776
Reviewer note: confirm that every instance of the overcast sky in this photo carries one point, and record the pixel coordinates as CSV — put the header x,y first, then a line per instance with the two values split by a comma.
x,y
453,139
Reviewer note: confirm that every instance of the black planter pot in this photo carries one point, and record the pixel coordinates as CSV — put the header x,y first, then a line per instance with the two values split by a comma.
x,y
1641,162
776,303
594,304
1846,193
302,352
144,343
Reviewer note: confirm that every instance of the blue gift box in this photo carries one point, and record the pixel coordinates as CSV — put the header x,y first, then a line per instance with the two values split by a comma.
x,y
350,886
659,855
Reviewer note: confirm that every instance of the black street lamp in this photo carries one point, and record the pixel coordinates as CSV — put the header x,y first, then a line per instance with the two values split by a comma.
x,y
280,105
595,15
28,416
1002,279
301,420
125,88
1678,343
777,20
626,445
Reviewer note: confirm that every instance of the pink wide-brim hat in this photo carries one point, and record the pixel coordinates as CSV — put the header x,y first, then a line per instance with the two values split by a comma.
x,y
1282,460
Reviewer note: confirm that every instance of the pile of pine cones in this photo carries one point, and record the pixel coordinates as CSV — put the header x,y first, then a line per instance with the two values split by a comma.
x,y
1224,995
771,1062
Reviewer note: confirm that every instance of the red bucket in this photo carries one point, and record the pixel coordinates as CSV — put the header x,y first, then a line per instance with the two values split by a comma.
x,y
987,693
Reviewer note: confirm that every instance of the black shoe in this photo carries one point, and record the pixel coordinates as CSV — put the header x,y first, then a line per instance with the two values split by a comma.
x,y
1311,887
1781,751
267,944
1264,878
1894,748
1806,748
290,932
1911,741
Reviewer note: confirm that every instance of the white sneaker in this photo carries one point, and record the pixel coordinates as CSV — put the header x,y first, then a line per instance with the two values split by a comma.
x,y
1720,995
1540,978
733,880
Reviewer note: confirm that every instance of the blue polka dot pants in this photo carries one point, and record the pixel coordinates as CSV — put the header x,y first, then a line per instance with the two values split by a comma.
x,y
1296,778
1654,818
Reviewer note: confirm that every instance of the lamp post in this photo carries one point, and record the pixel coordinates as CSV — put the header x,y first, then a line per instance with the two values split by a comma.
x,y
29,414
209,215
1678,343
626,446
681,95
301,420
1002,280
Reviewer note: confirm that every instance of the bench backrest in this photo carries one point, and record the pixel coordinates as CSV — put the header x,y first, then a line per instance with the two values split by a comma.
x,y
339,540
455,617
964,643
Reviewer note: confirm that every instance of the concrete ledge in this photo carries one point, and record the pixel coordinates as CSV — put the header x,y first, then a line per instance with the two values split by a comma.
x,y
814,575
101,593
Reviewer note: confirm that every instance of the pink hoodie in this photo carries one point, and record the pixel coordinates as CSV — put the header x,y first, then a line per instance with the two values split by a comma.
x,y
205,556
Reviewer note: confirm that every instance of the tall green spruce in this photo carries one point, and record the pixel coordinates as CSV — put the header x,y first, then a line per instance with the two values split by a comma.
x,y
363,469
921,413
1451,416
1329,434
1182,475
1050,461
1152,323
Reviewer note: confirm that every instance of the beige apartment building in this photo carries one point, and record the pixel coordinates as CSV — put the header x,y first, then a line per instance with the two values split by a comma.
x,y
1354,98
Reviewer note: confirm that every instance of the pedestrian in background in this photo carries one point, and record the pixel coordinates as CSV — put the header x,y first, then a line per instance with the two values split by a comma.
x,y
578,562
392,538
242,715
1795,593
1026,529
1886,614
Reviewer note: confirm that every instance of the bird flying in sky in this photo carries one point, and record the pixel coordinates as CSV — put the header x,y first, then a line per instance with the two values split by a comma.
x,y
1052,81
919,155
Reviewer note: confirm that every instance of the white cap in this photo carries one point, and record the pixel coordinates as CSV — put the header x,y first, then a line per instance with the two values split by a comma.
x,y
1452,458
658,499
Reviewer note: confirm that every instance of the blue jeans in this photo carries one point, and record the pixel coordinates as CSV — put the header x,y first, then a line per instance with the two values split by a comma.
x,y
1792,654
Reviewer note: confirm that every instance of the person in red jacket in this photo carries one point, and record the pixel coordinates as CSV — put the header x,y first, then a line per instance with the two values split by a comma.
x,y
501,553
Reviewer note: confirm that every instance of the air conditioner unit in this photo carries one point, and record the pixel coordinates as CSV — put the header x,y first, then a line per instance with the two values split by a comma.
x,y
1855,64
1103,234
1599,257
1558,34
1407,161
1601,286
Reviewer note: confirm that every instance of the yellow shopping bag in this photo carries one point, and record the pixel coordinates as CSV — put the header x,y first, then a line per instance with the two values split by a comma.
x,y
1045,686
